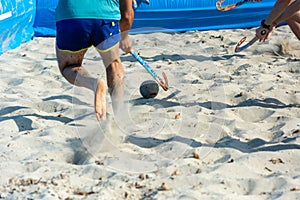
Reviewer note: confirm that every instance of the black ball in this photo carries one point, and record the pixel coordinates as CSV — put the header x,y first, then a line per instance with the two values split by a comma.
x,y
149,89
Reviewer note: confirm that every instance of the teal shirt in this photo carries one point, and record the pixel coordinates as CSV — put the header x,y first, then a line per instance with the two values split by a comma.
x,y
88,9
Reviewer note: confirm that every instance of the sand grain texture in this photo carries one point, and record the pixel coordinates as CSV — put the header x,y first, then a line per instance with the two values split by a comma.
x,y
228,128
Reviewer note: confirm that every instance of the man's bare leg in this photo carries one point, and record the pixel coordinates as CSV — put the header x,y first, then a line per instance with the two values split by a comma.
x,y
70,65
115,82
115,77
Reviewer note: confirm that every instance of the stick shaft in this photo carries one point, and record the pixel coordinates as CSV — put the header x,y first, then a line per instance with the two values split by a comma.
x,y
145,65
241,48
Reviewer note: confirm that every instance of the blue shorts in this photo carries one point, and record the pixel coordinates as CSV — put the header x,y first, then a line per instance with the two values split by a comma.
x,y
79,34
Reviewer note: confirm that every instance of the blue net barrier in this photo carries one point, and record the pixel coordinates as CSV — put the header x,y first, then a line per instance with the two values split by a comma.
x,y
16,23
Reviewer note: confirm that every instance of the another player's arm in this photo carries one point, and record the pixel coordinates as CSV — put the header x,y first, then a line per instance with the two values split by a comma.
x,y
277,10
267,25
290,11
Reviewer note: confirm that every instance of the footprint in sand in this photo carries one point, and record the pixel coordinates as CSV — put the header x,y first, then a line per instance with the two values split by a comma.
x,y
254,114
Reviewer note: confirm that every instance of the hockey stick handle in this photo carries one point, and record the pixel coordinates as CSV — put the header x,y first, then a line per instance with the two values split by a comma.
x,y
144,64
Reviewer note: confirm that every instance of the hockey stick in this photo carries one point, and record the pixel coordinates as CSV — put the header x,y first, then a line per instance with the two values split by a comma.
x,y
239,48
163,84
230,6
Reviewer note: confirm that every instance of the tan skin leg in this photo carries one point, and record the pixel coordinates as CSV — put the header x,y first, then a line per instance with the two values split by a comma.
x,y
294,24
70,65
115,77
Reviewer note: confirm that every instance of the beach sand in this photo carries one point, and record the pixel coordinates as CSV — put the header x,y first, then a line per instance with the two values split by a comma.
x,y
228,127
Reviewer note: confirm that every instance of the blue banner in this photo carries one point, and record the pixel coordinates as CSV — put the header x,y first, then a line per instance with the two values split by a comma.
x,y
44,24
172,15
16,22
187,15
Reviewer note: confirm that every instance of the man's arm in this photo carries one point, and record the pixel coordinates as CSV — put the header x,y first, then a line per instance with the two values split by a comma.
x,y
127,16
277,10
290,11
268,25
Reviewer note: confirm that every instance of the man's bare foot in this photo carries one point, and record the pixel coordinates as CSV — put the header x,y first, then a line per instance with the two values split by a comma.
x,y
100,100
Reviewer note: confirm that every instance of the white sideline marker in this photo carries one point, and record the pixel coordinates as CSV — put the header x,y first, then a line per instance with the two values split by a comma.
x,y
5,15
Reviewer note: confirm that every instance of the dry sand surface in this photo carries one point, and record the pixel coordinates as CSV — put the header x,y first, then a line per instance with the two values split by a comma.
x,y
228,127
